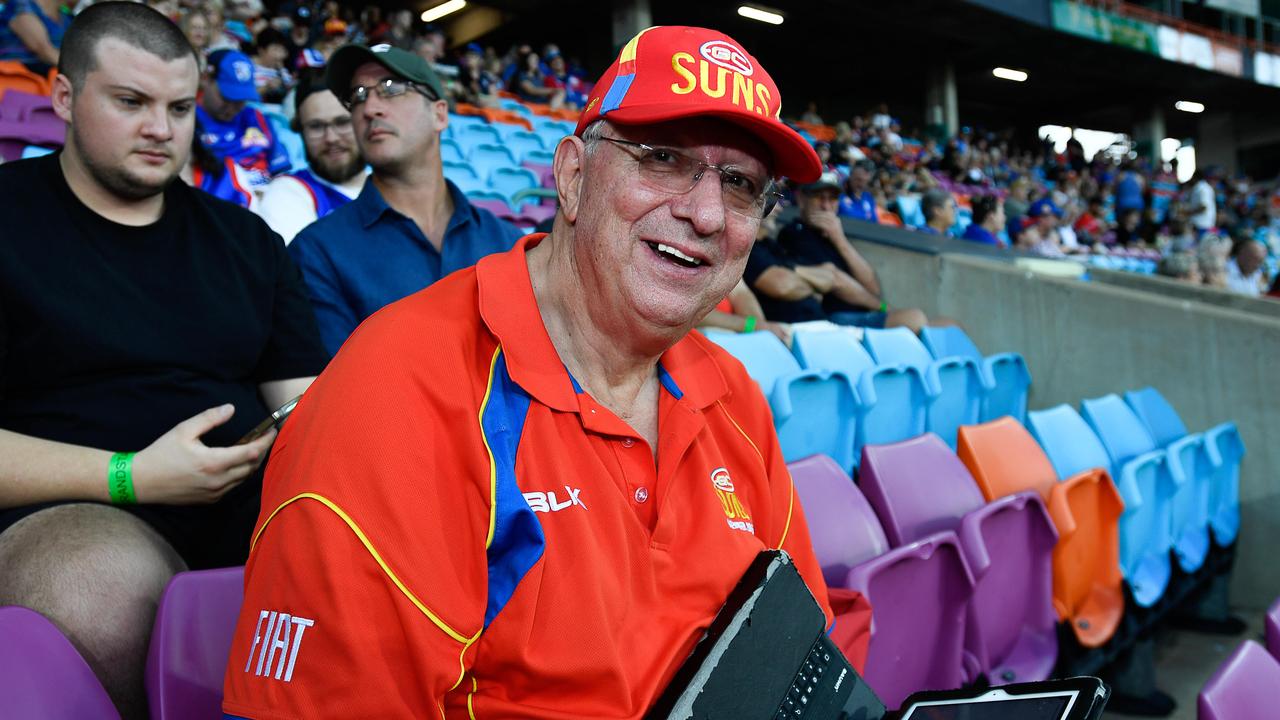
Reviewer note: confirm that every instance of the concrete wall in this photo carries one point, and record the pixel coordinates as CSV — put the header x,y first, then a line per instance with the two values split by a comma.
x,y
1085,339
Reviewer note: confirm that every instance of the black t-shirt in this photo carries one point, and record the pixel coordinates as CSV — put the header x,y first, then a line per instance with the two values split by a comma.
x,y
110,335
807,246
769,253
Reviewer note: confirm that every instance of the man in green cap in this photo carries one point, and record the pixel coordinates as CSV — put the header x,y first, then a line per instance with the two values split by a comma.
x,y
410,226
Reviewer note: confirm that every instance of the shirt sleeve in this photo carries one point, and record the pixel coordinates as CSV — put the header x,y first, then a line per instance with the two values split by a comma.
x,y
293,348
367,579
334,315
761,259
287,207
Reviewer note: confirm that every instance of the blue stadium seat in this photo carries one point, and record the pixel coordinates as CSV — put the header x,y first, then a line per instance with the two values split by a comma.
x,y
486,158
523,142
494,202
450,152
515,106
510,180
912,213
1073,447
891,399
471,135
551,131
458,122
814,411
954,383
464,176
1005,378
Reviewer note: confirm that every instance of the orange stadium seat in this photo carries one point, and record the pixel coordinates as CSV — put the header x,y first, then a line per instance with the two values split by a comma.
x,y
1005,459
825,133
886,217
14,75
509,117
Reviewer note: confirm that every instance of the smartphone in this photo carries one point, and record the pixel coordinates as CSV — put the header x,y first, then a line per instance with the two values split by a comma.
x,y
274,420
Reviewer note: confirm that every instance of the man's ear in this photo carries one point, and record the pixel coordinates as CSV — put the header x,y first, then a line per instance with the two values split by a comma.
x,y
571,156
62,96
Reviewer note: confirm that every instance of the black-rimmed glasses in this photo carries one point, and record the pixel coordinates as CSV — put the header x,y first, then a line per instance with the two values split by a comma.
x,y
671,171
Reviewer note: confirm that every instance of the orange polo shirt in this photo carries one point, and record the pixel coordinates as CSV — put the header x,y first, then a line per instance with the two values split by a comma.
x,y
450,527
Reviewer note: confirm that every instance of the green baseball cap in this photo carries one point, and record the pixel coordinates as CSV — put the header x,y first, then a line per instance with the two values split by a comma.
x,y
348,58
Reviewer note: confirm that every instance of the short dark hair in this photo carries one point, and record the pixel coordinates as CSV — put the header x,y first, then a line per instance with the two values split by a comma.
x,y
268,37
932,201
134,23
983,207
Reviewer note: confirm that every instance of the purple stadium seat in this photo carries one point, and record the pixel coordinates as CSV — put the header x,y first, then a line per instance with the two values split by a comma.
x,y
918,593
191,643
1273,629
1245,687
19,105
919,487
41,674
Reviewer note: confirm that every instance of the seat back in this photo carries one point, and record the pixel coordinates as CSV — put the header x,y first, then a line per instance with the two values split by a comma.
x,y
1159,417
832,350
1273,629
522,142
487,157
948,342
41,673
954,383
896,346
451,152
474,133
843,528
1243,688
918,487
762,353
15,76
1004,459
510,180
1120,430
464,176
1226,450
18,105
1072,446
191,644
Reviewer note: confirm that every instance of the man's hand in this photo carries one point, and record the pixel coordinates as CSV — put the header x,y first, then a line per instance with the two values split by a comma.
x,y
827,223
820,277
178,469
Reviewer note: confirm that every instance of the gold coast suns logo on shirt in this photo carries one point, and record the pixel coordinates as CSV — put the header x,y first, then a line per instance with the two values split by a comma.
x,y
735,512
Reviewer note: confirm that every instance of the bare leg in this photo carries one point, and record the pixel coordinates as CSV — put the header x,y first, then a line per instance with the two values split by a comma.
x,y
97,572
909,317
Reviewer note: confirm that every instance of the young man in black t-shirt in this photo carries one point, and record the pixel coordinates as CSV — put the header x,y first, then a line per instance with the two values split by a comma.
x,y
137,315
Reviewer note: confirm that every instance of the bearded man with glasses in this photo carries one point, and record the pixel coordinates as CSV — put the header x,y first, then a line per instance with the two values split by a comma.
x,y
527,490
335,172
409,226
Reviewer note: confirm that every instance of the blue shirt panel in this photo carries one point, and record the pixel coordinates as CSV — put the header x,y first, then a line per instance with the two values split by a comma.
x,y
977,233
326,197
862,207
366,255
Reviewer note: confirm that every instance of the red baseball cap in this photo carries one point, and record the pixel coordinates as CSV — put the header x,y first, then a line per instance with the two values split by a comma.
x,y
672,72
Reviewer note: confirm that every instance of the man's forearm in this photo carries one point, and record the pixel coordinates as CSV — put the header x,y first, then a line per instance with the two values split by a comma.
x,y
848,289
861,269
37,470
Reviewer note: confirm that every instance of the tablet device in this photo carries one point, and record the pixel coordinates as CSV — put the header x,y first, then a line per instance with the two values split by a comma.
x,y
1081,698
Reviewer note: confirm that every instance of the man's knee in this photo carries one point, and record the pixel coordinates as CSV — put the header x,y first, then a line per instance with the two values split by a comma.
x,y
913,318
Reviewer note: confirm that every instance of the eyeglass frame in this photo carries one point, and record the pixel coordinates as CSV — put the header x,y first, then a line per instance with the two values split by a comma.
x,y
340,126
767,199
381,87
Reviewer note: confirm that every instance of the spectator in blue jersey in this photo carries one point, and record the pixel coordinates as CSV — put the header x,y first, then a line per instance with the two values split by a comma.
x,y
31,31
335,172
857,202
988,221
223,179
231,128
939,210
409,226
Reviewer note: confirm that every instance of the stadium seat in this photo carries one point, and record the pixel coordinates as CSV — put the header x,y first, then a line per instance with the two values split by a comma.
x,y
550,125
910,210
1073,447
511,180
17,105
464,176
891,398
15,76
191,644
1005,378
919,487
491,200
523,142
485,158
1087,586
514,106
1245,687
472,134
458,122
42,675
919,593
451,152
1273,629
954,383
814,411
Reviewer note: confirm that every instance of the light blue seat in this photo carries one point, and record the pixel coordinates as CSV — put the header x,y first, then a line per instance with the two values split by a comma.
x,y
515,106
954,383
891,399
487,157
510,180
464,176
912,213
523,142
472,135
1219,445
451,152
1005,378
814,411
1073,447
459,122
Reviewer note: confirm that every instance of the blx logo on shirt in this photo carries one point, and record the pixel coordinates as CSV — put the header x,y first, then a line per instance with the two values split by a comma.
x,y
548,502
283,635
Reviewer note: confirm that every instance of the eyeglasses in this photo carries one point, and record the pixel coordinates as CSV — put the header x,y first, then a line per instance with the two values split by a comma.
x,y
319,128
386,88
671,171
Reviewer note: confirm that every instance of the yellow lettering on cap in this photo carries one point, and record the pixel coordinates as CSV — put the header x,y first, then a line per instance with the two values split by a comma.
x,y
683,72
762,93
718,90
742,88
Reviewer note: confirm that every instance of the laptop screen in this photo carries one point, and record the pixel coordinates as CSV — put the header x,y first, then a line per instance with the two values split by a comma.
x,y
1051,707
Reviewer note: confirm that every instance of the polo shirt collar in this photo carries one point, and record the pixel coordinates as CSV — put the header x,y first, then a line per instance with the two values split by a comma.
x,y
371,206
688,370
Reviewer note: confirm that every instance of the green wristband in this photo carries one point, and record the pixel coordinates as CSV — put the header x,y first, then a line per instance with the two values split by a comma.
x,y
750,324
120,479
884,306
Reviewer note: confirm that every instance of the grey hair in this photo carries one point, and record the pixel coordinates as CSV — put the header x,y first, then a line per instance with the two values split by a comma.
x,y
593,134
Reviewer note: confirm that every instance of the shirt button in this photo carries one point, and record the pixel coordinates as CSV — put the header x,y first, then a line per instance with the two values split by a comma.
x,y
642,494
628,442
